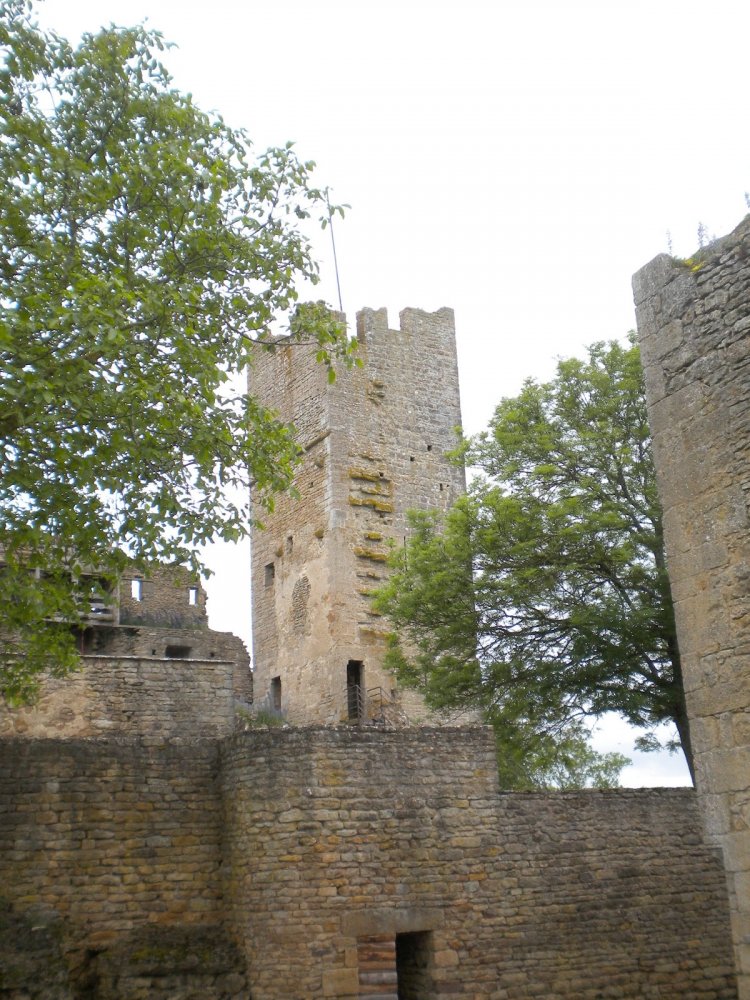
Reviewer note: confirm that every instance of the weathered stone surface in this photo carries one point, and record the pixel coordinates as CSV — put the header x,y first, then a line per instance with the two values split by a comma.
x,y
131,695
167,963
363,834
695,336
375,446
32,964
312,849
170,677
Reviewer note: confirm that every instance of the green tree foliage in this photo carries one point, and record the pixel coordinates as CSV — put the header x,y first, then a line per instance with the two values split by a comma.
x,y
543,598
144,250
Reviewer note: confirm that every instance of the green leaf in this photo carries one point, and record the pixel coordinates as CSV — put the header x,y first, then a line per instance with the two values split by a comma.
x,y
145,249
542,596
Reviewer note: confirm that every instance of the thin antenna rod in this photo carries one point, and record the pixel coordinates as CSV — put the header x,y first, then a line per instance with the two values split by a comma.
x,y
335,259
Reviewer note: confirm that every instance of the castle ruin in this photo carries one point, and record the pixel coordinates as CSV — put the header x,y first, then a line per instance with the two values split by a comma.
x,y
152,846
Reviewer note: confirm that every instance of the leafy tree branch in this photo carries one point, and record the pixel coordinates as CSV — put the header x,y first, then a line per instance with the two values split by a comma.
x,y
543,597
146,252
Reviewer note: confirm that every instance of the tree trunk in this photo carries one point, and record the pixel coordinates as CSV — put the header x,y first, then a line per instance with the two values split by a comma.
x,y
680,709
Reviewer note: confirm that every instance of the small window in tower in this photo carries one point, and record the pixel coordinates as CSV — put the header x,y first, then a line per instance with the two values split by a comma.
x,y
177,652
269,574
276,694
289,544
441,487
193,595
136,589
429,447
411,458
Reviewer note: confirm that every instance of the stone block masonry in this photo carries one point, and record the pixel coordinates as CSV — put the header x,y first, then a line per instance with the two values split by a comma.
x,y
694,325
340,841
313,863
375,445
131,696
110,835
172,677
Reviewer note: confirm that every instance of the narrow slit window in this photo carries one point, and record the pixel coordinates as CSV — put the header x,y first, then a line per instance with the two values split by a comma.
x,y
269,574
193,595
136,589
276,694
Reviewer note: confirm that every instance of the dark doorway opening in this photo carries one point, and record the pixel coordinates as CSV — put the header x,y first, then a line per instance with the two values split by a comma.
x,y
414,966
177,652
354,690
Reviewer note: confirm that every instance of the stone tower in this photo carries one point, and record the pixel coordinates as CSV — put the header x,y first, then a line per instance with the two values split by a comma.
x,y
375,445
694,325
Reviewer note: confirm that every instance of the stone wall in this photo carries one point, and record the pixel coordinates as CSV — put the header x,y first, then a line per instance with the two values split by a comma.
x,y
159,679
304,862
166,596
339,840
110,835
130,696
375,445
694,324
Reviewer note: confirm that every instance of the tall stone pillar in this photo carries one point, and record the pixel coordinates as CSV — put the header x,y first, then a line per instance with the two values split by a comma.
x,y
694,325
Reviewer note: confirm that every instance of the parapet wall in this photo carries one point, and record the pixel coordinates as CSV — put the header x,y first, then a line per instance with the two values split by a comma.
x,y
314,850
694,325
131,696
366,836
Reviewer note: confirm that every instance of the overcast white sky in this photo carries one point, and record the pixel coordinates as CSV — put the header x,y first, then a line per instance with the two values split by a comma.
x,y
517,161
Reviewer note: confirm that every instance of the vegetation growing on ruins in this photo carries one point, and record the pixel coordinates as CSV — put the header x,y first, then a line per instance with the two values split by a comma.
x,y
543,598
144,249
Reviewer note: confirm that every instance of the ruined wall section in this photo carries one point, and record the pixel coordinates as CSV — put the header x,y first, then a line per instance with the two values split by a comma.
x,y
694,324
168,596
340,841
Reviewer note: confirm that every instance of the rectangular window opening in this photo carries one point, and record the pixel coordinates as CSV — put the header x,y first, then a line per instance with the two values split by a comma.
x,y
192,596
268,574
136,589
276,694
177,652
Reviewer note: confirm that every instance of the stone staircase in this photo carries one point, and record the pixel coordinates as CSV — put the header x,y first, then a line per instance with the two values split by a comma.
x,y
378,978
